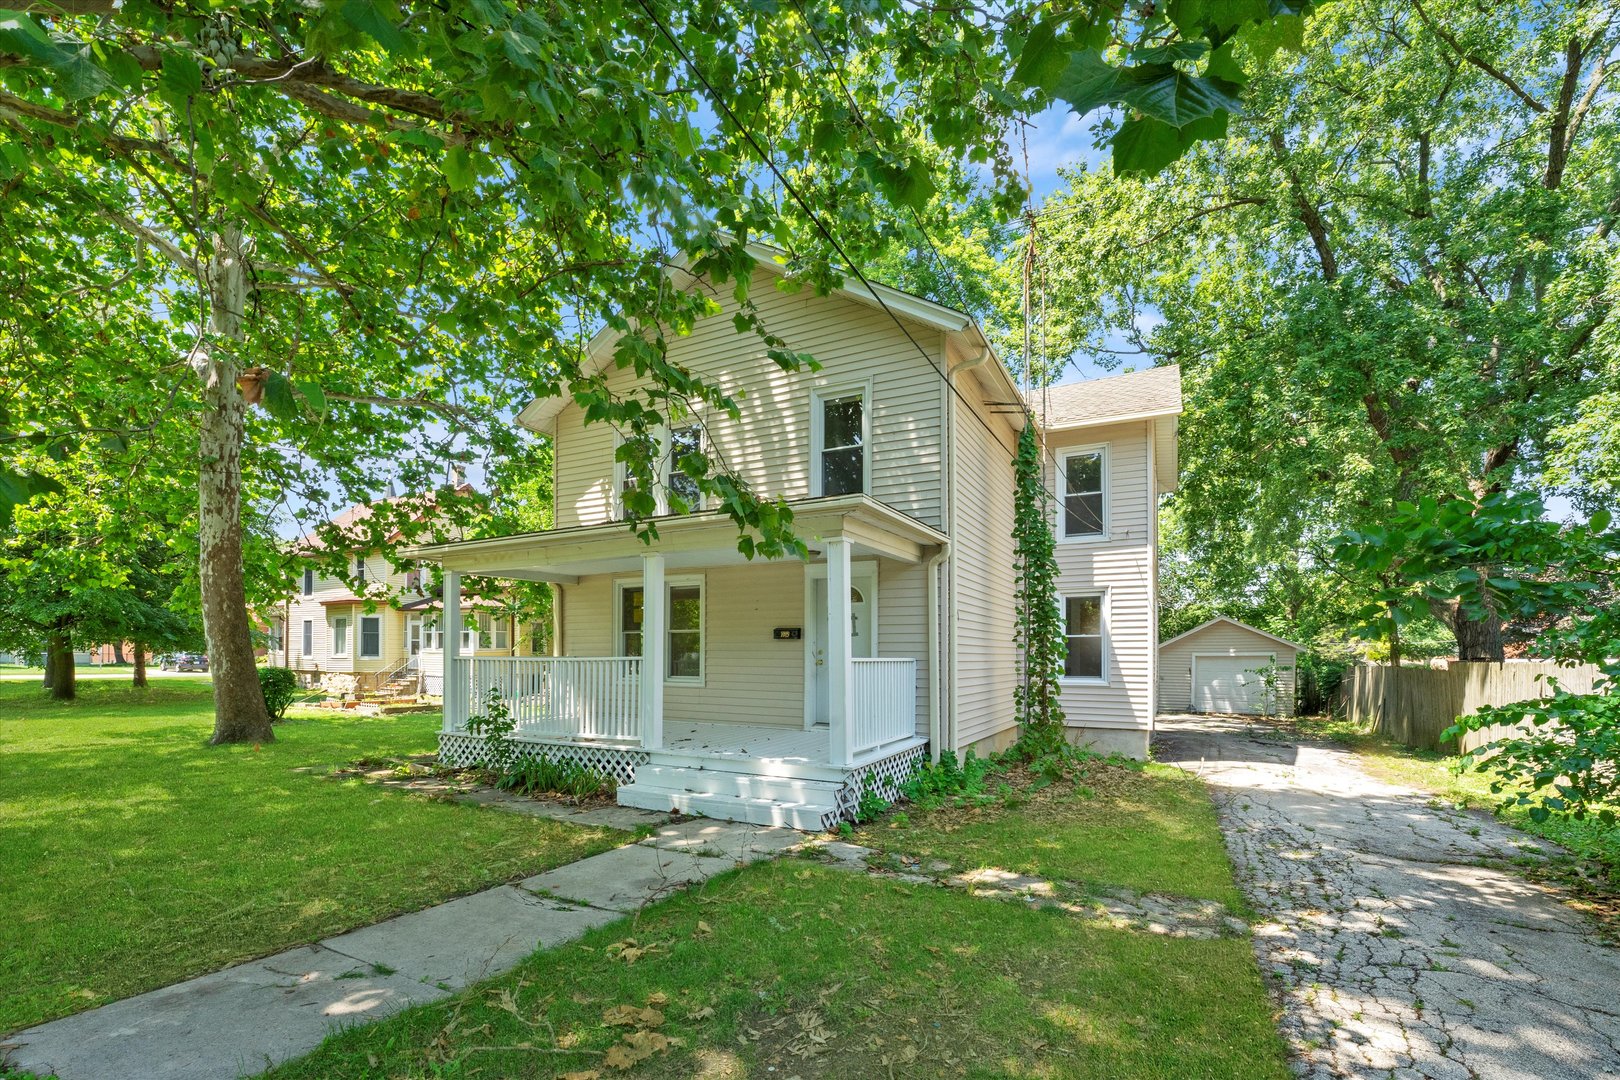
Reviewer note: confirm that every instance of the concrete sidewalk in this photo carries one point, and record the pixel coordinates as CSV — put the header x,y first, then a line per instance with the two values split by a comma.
x,y
247,1018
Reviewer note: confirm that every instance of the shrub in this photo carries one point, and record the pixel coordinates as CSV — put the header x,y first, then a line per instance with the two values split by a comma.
x,y
496,725
545,775
280,688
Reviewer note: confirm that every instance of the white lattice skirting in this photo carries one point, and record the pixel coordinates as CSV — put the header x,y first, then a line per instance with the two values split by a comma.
x,y
882,777
460,750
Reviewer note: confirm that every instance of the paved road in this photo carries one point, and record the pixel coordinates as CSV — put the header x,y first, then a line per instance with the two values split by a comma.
x,y
1399,942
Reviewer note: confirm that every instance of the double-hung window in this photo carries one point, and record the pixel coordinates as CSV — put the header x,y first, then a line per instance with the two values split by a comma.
x,y
500,627
683,635
360,569
370,637
1083,493
432,636
309,637
309,581
475,631
838,444
681,490
340,636
1086,638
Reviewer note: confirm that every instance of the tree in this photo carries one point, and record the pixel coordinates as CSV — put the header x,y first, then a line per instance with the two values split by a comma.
x,y
1393,280
388,226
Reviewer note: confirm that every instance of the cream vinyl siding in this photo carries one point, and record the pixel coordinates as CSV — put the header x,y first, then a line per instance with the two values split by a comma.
x,y
749,676
1121,567
858,346
983,589
311,607
1220,639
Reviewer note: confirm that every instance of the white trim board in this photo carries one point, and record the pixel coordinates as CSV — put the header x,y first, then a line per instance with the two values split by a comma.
x,y
1241,626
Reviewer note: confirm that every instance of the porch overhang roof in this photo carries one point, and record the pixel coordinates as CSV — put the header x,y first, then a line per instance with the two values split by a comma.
x,y
687,542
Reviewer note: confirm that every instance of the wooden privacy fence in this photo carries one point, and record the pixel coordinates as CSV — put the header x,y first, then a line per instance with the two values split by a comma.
x,y
1413,705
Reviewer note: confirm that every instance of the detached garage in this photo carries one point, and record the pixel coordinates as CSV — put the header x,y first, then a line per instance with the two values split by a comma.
x,y
1220,667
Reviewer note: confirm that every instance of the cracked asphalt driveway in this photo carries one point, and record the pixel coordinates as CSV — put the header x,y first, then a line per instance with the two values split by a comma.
x,y
1399,941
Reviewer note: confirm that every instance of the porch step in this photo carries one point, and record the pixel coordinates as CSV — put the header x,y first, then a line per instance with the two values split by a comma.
x,y
806,816
729,794
746,785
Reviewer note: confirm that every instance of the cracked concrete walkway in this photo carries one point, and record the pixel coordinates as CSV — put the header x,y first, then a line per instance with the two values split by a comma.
x,y
247,1018
1400,943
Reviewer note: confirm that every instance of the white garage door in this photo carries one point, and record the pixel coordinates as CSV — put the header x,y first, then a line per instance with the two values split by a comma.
x,y
1228,684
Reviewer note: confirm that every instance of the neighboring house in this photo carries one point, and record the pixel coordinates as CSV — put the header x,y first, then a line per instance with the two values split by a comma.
x,y
384,637
778,691
1222,666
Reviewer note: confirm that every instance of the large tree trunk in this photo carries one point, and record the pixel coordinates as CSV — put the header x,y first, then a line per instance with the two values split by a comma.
x,y
118,653
139,678
239,712
1478,639
62,679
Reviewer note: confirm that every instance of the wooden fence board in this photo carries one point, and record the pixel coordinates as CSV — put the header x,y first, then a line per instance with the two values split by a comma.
x,y
1414,705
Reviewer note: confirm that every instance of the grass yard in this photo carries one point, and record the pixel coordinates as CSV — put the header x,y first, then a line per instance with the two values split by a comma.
x,y
794,968
1595,867
135,855
1149,829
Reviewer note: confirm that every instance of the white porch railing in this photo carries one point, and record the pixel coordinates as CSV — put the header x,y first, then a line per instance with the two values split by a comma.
x,y
567,697
885,703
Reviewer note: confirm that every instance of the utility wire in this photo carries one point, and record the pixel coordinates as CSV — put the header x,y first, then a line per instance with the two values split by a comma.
x,y
720,103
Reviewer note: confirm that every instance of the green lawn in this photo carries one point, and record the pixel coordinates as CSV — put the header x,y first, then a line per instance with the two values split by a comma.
x,y
794,968
135,855
1150,829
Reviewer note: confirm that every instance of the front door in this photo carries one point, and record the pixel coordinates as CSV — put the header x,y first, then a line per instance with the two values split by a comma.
x,y
413,637
863,610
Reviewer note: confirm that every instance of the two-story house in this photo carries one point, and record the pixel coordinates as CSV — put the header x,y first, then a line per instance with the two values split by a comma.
x,y
777,691
378,631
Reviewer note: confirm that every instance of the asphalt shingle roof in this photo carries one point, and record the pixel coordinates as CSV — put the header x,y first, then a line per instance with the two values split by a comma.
x,y
1156,390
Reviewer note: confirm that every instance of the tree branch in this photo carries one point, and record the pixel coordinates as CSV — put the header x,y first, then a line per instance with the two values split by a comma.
x,y
1478,61
1558,136
1309,216
442,407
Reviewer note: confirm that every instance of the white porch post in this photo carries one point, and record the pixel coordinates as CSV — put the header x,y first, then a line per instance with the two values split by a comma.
x,y
654,616
455,682
840,653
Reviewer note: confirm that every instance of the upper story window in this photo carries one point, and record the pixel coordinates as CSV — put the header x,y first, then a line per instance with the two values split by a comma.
x,y
360,569
1083,492
1085,636
838,444
309,581
683,441
413,581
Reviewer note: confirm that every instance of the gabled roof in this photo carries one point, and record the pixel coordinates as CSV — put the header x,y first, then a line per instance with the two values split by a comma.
x,y
1141,395
348,522
1232,622
541,413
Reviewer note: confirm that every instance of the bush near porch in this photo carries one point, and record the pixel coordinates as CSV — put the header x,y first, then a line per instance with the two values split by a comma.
x,y
135,855
794,968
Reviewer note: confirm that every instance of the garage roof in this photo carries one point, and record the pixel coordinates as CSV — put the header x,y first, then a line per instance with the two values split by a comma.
x,y
1233,622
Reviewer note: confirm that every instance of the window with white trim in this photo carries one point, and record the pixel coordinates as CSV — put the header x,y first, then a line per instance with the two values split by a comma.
x,y
1085,636
475,632
838,430
340,636
309,637
683,635
309,581
370,637
500,627
1083,492
432,635
683,441
360,569
278,636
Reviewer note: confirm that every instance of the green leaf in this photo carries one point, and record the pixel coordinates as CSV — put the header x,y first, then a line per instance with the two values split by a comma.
x,y
1599,521
1042,60
1144,146
21,36
181,75
279,400
367,17
313,394
458,168
1159,91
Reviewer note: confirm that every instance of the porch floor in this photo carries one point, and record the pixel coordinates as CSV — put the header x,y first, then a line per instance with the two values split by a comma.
x,y
748,741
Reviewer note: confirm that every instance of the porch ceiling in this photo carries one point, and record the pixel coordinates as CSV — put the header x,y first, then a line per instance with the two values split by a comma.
x,y
688,542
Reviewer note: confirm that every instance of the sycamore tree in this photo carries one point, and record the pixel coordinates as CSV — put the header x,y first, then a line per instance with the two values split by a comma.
x,y
278,247
1394,280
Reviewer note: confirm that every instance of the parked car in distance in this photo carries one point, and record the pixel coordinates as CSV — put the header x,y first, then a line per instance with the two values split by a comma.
x,y
183,661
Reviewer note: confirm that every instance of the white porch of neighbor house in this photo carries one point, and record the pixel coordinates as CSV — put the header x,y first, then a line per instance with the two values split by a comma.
x,y
861,712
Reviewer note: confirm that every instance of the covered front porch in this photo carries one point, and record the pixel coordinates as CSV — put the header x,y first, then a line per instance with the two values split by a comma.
x,y
750,688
